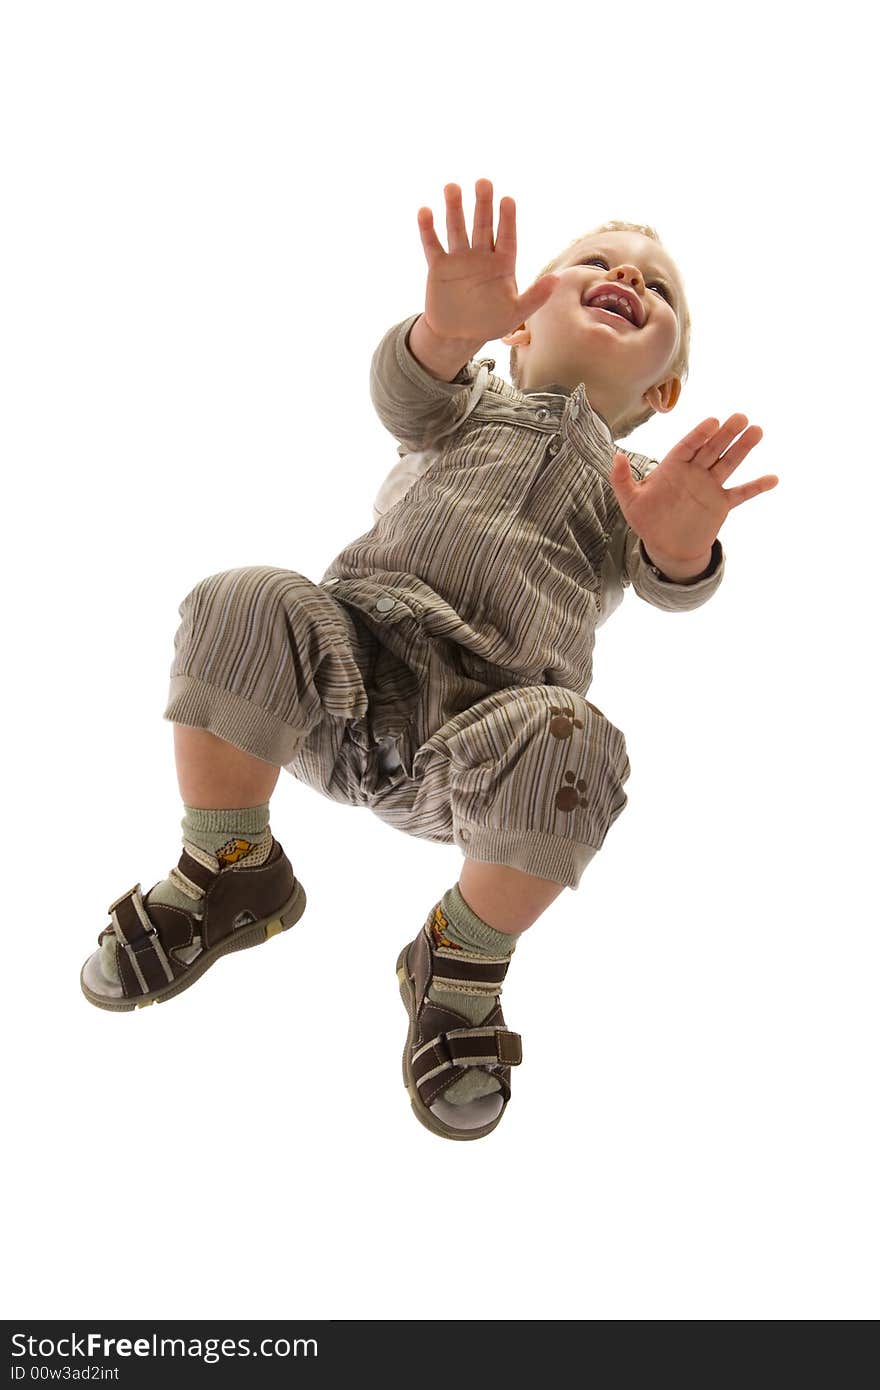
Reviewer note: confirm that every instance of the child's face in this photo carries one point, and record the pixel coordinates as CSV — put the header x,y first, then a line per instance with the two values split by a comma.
x,y
622,364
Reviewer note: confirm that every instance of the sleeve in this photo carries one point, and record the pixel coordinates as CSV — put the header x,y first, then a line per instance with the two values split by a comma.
x,y
672,594
416,407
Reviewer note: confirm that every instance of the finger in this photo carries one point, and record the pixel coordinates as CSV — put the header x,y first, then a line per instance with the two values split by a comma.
x,y
689,447
535,297
715,445
621,478
736,495
456,231
482,239
505,242
430,240
733,457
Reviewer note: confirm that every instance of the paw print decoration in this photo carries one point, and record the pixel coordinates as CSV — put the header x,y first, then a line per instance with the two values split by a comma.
x,y
569,797
562,725
563,722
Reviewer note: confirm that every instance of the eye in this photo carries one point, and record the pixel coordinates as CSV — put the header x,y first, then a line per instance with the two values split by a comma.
x,y
666,295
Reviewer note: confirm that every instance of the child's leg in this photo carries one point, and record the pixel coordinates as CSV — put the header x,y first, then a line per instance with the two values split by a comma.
x,y
533,777
226,794
507,899
267,672
489,907
214,773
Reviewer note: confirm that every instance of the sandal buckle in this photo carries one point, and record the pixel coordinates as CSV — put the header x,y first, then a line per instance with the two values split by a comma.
x,y
139,941
129,893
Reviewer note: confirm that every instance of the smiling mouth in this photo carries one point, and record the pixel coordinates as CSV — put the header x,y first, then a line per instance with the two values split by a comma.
x,y
609,315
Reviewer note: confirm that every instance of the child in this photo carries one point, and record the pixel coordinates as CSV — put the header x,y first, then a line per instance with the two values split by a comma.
x,y
438,673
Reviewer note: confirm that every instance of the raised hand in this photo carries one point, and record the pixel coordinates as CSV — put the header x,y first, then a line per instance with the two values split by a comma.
x,y
471,294
678,509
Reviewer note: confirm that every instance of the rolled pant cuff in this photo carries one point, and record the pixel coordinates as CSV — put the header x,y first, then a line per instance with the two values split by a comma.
x,y
258,731
532,851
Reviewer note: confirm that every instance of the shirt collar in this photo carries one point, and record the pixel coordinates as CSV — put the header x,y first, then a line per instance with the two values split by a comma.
x,y
549,397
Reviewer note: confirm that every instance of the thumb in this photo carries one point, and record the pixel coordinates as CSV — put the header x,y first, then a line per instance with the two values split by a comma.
x,y
620,477
536,296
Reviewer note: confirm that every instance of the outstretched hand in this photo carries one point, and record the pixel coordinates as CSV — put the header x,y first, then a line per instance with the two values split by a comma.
x,y
679,508
471,293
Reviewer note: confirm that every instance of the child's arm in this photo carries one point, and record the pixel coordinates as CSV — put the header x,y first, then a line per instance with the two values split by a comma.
x,y
415,406
662,591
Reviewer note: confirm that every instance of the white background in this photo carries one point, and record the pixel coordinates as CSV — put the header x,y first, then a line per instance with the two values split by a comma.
x,y
209,223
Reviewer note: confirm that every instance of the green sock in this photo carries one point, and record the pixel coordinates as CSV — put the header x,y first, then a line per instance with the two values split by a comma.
x,y
240,836
466,929
234,837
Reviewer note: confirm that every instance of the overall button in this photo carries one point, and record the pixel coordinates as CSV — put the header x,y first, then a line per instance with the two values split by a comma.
x,y
384,605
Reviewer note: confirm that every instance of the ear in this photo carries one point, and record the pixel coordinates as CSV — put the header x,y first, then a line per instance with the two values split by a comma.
x,y
664,395
520,337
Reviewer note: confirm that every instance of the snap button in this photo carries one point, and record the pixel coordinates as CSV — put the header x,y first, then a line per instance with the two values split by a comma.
x,y
384,604
542,413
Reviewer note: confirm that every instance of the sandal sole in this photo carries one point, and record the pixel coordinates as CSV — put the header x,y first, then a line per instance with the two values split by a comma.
x,y
254,934
420,1109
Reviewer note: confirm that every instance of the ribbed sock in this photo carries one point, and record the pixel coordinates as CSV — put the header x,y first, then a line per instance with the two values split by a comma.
x,y
241,837
466,929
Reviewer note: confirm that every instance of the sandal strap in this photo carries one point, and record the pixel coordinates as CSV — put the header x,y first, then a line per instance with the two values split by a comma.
x,y
466,1047
196,872
139,939
466,974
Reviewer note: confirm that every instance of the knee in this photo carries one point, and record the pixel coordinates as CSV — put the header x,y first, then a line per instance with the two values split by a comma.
x,y
574,720
569,712
250,587
596,763
533,721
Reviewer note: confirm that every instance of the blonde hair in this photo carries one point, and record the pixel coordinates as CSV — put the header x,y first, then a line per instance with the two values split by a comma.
x,y
679,367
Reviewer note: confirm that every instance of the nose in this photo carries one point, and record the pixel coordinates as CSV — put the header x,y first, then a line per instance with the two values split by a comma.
x,y
628,273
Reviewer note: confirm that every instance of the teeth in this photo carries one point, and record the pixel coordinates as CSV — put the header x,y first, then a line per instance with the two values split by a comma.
x,y
624,303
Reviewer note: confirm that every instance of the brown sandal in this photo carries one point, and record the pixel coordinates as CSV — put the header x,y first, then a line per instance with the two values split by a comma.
x,y
162,950
441,1043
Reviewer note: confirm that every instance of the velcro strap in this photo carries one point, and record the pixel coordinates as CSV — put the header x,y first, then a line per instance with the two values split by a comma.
x,y
196,872
466,1047
186,885
467,974
139,939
